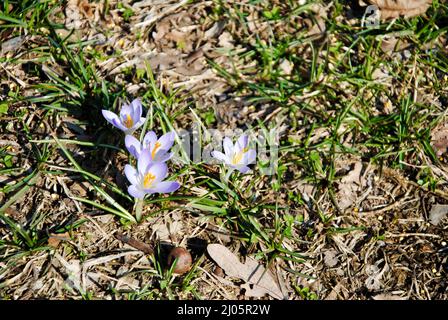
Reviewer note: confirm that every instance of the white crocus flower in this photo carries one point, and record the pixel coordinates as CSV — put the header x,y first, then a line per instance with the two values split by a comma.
x,y
236,156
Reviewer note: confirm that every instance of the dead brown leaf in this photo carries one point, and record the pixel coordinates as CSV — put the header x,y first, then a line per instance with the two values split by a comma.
x,y
390,9
286,66
331,258
349,186
390,43
73,17
439,139
259,281
317,26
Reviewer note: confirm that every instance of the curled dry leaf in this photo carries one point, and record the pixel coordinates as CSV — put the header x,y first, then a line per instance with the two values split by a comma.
x,y
259,281
390,9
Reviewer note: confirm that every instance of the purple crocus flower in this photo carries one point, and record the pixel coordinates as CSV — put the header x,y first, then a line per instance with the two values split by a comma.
x,y
236,156
157,148
130,117
148,177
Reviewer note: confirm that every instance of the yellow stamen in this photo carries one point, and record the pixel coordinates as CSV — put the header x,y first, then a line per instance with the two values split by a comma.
x,y
128,122
156,147
148,180
237,158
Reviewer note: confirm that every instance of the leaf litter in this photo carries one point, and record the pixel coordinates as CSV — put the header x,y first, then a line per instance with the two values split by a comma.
x,y
392,256
258,280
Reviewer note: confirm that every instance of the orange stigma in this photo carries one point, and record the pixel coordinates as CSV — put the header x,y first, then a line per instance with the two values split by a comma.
x,y
128,122
156,147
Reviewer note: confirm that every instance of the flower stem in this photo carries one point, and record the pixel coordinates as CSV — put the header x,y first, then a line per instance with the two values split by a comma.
x,y
225,178
138,208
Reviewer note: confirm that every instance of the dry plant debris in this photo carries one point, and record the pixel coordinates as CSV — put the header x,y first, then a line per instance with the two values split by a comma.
x,y
356,208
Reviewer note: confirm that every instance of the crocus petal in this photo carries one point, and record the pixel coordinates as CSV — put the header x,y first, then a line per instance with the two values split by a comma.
x,y
220,156
126,110
144,160
165,187
137,108
131,173
242,143
109,115
228,147
243,169
162,156
136,192
159,170
122,127
113,119
250,156
136,120
133,145
167,140
139,123
149,139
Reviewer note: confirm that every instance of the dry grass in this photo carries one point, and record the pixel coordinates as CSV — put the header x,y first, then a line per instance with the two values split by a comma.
x,y
362,159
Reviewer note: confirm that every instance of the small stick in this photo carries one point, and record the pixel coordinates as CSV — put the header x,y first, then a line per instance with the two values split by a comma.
x,y
139,245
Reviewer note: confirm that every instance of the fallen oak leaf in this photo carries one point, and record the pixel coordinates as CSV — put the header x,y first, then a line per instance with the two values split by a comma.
x,y
259,281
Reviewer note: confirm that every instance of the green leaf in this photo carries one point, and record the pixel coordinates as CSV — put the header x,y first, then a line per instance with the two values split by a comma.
x,y
3,108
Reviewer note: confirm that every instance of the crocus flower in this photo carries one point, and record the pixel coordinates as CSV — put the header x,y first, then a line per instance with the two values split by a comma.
x,y
148,177
156,148
130,117
236,156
